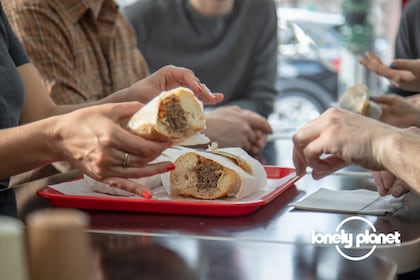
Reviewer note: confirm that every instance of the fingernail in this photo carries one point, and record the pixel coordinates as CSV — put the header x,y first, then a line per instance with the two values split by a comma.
x,y
393,65
199,89
146,195
170,167
207,90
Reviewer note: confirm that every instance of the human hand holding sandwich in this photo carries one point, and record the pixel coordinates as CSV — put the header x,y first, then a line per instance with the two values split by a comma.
x,y
122,155
398,111
166,78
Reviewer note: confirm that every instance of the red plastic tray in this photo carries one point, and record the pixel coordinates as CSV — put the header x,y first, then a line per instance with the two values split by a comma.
x,y
218,207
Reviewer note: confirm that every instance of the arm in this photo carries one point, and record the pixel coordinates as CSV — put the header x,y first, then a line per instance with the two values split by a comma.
x,y
377,146
38,104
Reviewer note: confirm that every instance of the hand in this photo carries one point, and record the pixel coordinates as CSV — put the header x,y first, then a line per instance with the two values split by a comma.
x,y
93,140
398,111
170,77
231,126
403,73
387,183
414,99
340,138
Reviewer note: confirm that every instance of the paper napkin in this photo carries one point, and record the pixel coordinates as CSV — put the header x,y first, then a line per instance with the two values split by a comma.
x,y
358,201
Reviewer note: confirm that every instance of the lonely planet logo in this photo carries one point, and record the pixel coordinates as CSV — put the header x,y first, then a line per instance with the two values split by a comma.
x,y
348,240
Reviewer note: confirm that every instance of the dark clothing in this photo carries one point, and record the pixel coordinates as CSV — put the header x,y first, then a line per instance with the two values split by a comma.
x,y
235,54
407,43
11,86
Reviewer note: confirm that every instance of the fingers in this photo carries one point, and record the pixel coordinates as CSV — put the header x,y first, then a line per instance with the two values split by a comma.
x,y
129,185
388,99
134,187
176,76
141,150
327,166
258,122
373,57
398,189
414,99
414,129
387,183
384,180
412,65
301,139
373,63
119,111
137,172
299,161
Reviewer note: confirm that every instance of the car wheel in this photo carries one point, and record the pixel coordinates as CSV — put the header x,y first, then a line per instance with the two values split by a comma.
x,y
298,102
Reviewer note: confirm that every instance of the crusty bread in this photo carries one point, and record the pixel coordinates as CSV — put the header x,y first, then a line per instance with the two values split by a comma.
x,y
236,159
200,177
175,114
357,99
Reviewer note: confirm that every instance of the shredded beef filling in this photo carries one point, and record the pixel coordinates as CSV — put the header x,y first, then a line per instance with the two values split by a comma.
x,y
207,174
175,117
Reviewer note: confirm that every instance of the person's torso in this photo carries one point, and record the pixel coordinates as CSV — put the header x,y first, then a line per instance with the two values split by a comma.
x,y
220,50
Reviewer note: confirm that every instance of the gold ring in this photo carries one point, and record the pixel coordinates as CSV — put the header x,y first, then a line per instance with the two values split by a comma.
x,y
126,160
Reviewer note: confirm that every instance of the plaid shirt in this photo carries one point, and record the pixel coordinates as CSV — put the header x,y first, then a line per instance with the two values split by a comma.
x,y
80,58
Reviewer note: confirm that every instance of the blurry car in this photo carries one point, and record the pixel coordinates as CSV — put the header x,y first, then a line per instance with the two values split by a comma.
x,y
309,60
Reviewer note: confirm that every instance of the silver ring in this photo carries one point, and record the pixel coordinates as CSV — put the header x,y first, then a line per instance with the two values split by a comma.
x,y
126,160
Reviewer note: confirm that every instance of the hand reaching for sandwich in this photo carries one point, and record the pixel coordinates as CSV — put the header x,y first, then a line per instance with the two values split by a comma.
x,y
231,126
169,77
403,73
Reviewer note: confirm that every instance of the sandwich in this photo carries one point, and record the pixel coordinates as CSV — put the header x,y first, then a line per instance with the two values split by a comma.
x,y
357,99
173,115
228,172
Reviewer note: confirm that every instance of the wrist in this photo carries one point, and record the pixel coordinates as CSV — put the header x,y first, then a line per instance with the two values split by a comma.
x,y
388,147
53,138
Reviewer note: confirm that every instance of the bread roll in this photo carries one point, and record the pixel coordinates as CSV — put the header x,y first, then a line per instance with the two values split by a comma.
x,y
175,114
200,177
228,172
357,100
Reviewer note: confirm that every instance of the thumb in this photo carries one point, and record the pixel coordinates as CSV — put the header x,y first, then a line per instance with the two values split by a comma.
x,y
412,65
123,110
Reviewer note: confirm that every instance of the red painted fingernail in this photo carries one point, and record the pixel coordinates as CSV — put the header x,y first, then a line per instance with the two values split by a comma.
x,y
170,167
146,195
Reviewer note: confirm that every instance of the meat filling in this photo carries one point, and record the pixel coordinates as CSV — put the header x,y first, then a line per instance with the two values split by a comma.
x,y
174,116
208,174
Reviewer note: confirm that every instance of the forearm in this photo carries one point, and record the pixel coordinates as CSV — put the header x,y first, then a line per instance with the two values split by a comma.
x,y
117,97
400,154
26,147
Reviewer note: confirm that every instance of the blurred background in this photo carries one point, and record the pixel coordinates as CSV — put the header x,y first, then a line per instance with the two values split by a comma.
x,y
320,43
